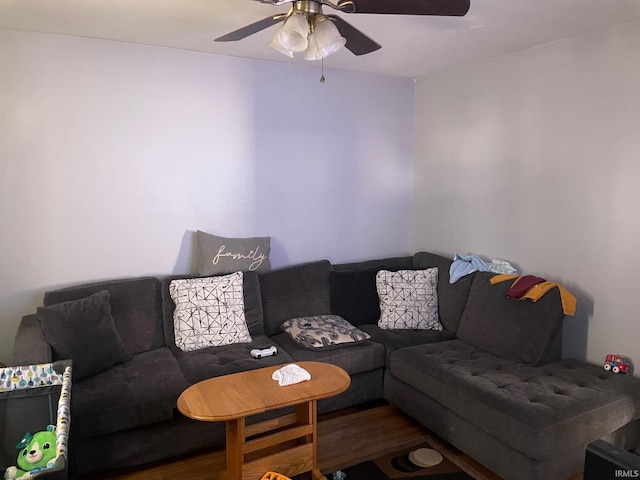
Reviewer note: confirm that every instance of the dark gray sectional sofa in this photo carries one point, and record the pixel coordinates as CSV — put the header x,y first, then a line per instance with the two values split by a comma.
x,y
492,382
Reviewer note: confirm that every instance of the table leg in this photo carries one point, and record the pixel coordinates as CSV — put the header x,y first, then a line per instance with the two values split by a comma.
x,y
235,440
308,414
317,475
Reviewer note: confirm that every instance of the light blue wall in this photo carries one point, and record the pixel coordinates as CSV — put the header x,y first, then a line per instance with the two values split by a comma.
x,y
112,154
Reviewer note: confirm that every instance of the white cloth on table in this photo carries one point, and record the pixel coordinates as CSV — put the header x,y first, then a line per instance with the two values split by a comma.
x,y
290,374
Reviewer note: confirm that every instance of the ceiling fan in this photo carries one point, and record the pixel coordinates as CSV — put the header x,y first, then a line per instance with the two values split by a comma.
x,y
307,29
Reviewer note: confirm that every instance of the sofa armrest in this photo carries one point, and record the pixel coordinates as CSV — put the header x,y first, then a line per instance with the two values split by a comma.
x,y
30,346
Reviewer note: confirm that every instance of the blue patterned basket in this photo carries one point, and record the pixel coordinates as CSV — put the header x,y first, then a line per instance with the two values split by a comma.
x,y
31,398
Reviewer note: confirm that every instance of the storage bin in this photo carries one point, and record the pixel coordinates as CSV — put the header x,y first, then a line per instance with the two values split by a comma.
x,y
33,397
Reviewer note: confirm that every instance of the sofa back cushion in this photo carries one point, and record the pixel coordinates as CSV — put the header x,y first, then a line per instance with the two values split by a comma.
x,y
135,307
252,305
297,291
354,295
518,330
353,288
391,263
451,297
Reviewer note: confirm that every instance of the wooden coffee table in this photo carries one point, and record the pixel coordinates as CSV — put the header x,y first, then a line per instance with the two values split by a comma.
x,y
286,444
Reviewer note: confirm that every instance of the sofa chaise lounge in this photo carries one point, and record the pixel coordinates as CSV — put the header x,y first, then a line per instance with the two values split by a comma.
x,y
491,381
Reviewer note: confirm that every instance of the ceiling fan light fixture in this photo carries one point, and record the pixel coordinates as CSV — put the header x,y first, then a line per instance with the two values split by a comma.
x,y
275,43
311,53
327,37
294,32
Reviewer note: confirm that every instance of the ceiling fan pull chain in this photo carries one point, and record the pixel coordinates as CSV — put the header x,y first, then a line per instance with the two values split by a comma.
x,y
322,72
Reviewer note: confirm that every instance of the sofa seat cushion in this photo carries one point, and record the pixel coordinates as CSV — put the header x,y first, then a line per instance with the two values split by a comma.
x,y
353,358
539,411
215,361
393,339
139,392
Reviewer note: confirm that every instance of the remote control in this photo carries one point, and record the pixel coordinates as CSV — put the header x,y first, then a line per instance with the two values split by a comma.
x,y
264,352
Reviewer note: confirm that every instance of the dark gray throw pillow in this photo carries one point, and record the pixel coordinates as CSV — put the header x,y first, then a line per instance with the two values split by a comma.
x,y
220,255
84,331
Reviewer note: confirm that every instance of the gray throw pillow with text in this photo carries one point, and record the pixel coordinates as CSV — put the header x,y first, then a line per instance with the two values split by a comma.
x,y
219,255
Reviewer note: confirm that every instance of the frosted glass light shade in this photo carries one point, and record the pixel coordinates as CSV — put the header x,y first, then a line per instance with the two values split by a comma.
x,y
327,37
275,43
311,53
293,35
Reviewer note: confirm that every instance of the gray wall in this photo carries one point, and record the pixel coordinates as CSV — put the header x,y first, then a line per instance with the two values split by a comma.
x,y
112,154
535,158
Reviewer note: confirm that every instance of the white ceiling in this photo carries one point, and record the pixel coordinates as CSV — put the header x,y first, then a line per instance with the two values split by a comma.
x,y
412,46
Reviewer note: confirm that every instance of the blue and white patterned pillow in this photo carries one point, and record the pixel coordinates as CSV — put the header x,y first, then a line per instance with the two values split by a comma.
x,y
323,331
408,299
209,312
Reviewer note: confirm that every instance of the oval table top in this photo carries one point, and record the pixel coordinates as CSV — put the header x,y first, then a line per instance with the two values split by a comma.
x,y
254,391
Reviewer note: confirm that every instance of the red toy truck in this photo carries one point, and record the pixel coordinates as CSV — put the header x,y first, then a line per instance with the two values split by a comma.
x,y
617,364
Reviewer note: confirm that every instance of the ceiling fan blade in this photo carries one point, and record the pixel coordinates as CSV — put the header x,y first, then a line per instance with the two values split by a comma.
x,y
449,8
251,28
357,42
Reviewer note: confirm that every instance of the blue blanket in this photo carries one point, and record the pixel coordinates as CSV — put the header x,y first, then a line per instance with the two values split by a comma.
x,y
464,265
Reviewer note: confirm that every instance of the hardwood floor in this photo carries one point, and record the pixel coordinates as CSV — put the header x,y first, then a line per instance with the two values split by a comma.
x,y
346,438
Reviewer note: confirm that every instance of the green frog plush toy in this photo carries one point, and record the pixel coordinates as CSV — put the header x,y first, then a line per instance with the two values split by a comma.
x,y
37,452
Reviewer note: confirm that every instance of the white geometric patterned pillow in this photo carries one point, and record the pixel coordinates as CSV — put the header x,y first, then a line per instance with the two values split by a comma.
x,y
209,312
408,299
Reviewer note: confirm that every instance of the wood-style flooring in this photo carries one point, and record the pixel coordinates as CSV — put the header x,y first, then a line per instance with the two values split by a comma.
x,y
346,438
